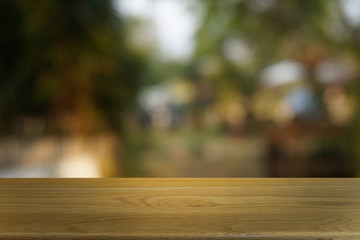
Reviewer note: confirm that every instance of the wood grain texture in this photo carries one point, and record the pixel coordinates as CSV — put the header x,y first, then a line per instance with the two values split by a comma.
x,y
180,208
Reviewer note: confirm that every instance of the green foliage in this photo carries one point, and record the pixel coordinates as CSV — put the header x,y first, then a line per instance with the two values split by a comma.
x,y
271,29
63,58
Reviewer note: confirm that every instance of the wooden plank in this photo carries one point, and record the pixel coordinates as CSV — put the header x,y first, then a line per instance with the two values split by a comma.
x,y
187,208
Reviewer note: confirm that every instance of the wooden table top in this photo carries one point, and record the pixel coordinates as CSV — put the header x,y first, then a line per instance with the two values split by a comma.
x,y
186,208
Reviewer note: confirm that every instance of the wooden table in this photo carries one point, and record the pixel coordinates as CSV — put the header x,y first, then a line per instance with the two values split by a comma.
x,y
180,209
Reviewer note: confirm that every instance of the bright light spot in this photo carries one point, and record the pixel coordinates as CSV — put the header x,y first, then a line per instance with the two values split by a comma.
x,y
352,11
238,52
136,8
174,27
172,24
283,73
154,97
79,166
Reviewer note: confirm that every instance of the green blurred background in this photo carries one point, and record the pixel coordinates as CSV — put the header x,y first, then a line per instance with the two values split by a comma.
x,y
179,88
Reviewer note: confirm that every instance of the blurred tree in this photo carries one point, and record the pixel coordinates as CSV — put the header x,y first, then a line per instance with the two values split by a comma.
x,y
246,36
242,37
65,62
348,42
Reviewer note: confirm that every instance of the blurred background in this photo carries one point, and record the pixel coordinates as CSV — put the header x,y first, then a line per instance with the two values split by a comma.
x,y
179,88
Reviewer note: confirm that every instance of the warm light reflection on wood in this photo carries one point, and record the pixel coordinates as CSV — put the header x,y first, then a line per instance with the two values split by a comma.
x,y
180,208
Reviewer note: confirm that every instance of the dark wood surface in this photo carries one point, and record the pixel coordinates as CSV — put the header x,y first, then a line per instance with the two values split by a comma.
x,y
187,208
